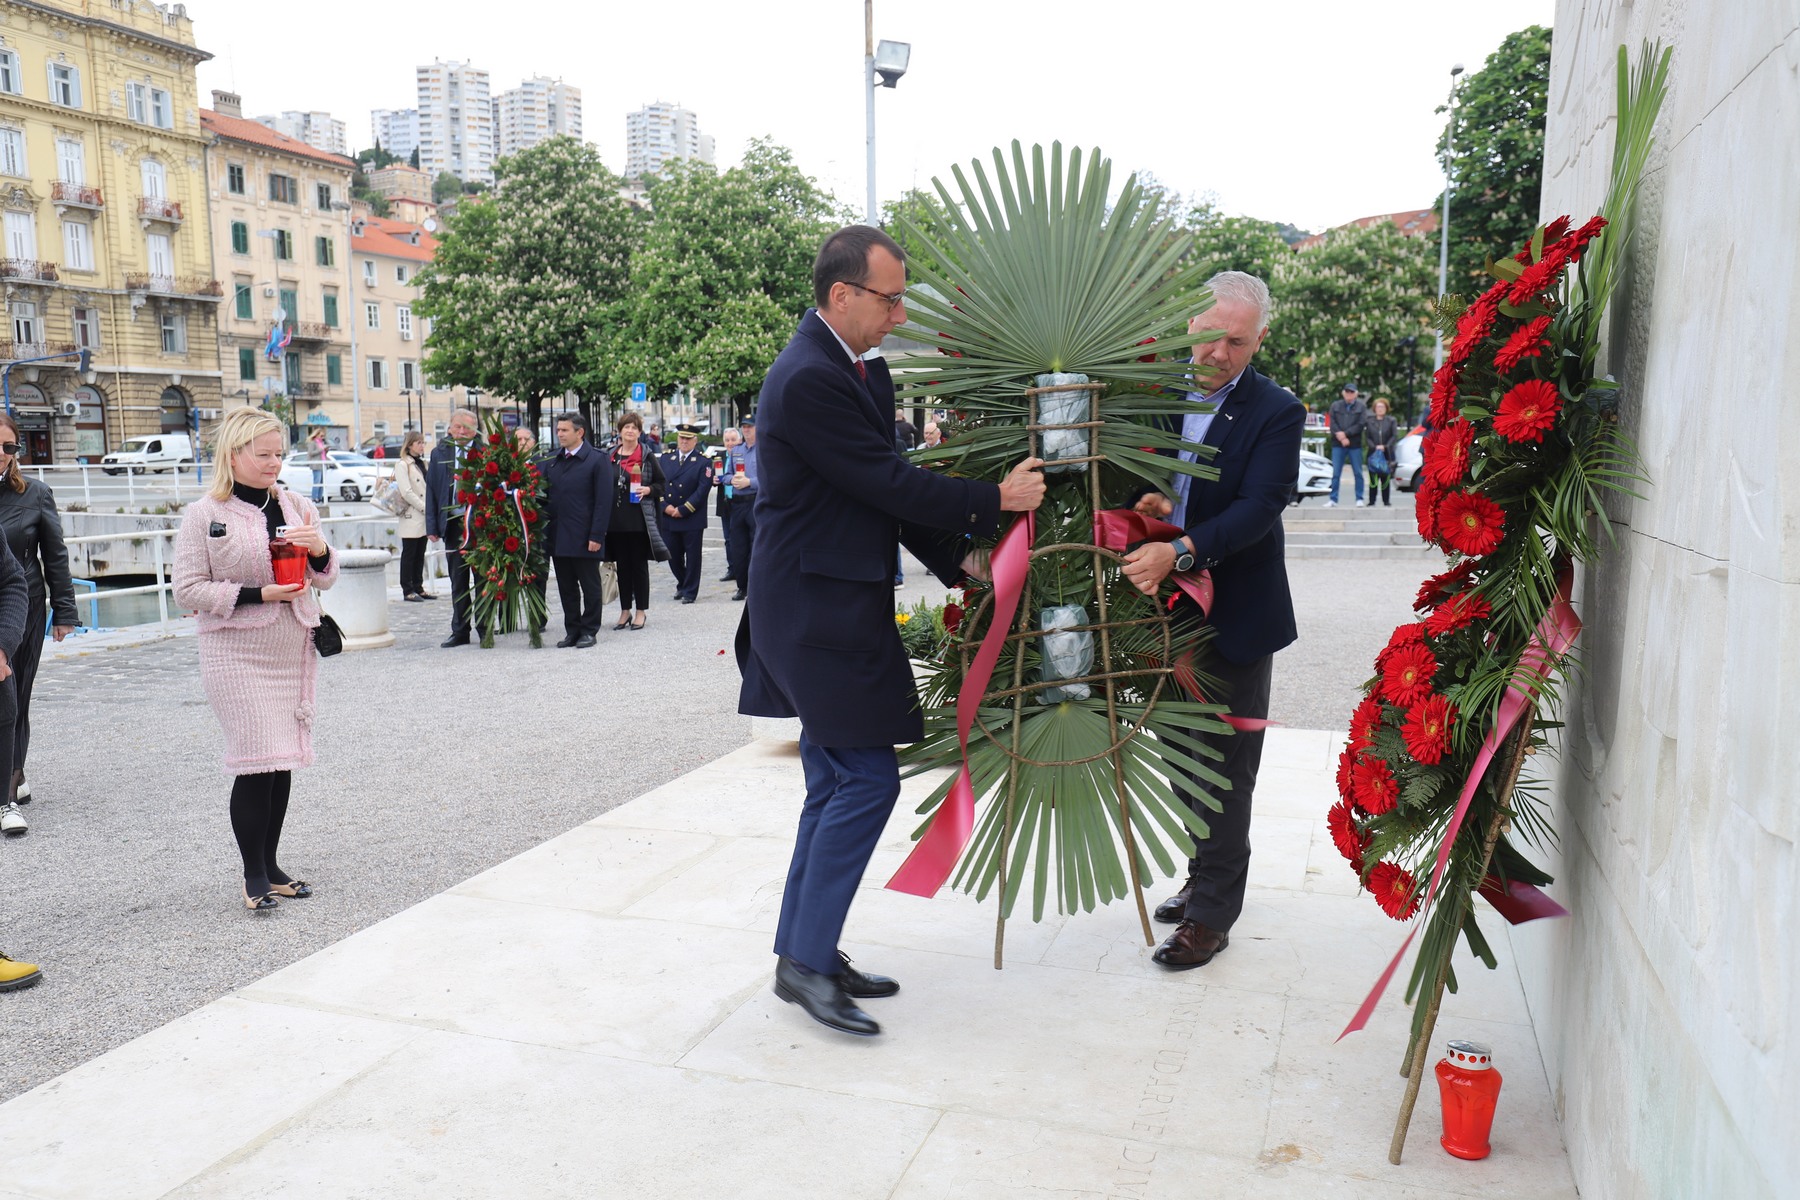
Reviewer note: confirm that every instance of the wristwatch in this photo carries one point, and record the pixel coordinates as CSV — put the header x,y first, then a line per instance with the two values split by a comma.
x,y
1184,559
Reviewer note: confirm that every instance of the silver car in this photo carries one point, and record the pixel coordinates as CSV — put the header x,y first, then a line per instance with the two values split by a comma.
x,y
1409,456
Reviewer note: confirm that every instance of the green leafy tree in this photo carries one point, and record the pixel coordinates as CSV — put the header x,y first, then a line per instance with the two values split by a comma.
x,y
1497,169
1342,309
1237,244
521,277
444,187
922,210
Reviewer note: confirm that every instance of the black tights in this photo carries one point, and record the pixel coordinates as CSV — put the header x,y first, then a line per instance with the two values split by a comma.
x,y
258,807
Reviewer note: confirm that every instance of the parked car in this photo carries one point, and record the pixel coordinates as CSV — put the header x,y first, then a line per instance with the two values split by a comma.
x,y
159,452
390,448
1315,476
356,461
1409,456
343,480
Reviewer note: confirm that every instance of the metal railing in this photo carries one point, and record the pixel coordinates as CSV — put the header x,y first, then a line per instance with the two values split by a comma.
x,y
159,209
28,268
172,285
81,195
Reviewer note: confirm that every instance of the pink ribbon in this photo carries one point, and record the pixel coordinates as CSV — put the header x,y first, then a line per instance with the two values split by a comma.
x,y
1555,633
934,857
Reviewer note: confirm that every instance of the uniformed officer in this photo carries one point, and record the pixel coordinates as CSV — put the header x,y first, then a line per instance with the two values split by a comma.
x,y
687,485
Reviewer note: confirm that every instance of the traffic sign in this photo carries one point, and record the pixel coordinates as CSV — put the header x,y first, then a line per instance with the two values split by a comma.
x,y
640,392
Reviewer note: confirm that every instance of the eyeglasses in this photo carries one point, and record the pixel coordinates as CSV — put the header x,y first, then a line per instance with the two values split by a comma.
x,y
893,301
9,447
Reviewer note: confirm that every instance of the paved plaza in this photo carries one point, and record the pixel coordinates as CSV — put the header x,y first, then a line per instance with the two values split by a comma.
x,y
538,963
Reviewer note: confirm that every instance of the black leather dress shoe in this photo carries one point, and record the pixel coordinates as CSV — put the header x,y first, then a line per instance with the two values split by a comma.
x,y
1191,945
456,639
859,985
688,599
728,578
1171,910
823,998
565,643
739,594
584,641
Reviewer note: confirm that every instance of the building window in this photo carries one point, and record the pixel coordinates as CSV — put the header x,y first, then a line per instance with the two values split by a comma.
x,y
331,311
137,102
403,322
240,238
12,152
87,328
71,160
284,188
21,238
326,250
246,363
369,272
400,273
241,297
174,333
156,180
334,370
78,246
372,316
9,73
24,323
65,85
161,252
377,373
284,245
290,305
234,178
409,374
162,110
324,193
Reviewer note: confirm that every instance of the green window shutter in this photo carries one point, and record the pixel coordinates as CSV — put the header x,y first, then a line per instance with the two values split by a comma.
x,y
240,238
243,302
331,317
246,363
334,369
290,300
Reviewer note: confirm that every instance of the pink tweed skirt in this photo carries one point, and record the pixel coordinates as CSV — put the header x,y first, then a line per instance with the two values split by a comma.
x,y
260,682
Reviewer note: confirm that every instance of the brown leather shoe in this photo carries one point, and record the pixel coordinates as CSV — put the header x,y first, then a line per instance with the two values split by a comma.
x,y
1191,945
1172,909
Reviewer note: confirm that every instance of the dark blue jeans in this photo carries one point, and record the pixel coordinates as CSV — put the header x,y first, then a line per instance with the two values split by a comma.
x,y
850,791
1338,455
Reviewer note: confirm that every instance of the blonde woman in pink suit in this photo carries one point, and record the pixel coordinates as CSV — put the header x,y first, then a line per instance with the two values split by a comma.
x,y
256,656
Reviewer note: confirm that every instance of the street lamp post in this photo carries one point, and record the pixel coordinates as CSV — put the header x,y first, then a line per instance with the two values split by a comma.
x,y
888,60
1411,346
1444,225
344,206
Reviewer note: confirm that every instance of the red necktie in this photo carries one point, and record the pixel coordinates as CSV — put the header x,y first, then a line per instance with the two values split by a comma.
x,y
862,372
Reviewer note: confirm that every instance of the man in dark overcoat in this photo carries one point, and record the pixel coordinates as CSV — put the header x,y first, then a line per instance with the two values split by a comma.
x,y
578,482
687,484
443,518
834,501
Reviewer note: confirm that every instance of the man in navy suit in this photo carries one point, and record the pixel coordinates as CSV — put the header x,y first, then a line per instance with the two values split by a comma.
x,y
578,480
1231,526
834,502
687,482
443,518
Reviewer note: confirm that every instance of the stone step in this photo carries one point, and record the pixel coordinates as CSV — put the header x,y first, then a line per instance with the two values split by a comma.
x,y
1326,525
1418,551
1357,537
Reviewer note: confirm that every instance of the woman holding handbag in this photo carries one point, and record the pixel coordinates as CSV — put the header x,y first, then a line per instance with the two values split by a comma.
x,y
409,487
1380,440
257,659
633,538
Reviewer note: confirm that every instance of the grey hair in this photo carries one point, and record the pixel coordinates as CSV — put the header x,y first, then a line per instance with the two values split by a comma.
x,y
1245,289
463,412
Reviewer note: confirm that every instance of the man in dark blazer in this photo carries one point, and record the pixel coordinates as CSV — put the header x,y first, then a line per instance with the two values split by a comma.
x,y
818,640
578,480
443,518
1232,527
687,483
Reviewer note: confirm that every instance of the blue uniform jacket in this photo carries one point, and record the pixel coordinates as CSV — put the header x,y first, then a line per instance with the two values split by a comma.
x,y
686,484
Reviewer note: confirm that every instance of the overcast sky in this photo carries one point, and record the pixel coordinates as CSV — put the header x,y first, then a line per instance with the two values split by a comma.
x,y
1291,110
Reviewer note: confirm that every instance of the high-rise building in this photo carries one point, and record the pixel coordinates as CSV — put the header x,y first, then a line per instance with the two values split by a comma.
x,y
456,122
660,133
534,111
396,130
320,130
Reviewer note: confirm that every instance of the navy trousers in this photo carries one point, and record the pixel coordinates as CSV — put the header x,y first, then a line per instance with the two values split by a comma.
x,y
741,536
1220,867
850,791
684,558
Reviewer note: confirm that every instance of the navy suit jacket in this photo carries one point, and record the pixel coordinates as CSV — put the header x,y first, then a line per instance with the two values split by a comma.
x,y
1234,522
440,487
579,501
834,501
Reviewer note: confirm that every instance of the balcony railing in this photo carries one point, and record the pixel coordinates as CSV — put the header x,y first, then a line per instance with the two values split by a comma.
x,y
76,195
156,208
313,331
14,351
173,285
27,268
306,390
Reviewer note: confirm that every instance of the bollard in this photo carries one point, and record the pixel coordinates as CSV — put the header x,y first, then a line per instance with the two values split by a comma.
x,y
359,599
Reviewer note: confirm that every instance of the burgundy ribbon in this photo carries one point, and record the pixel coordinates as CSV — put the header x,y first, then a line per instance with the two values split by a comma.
x,y
1518,901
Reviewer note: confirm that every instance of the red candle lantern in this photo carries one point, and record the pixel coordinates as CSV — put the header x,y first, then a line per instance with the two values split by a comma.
x,y
1470,1089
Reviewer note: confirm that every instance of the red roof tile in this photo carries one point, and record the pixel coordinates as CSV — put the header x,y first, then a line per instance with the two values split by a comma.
x,y
394,239
237,129
1413,220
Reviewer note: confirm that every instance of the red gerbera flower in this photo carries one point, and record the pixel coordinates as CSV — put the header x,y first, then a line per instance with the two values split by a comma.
x,y
1472,328
1351,842
1446,452
1425,506
1552,234
1365,721
1577,241
1527,341
512,545
1394,889
953,615
1373,787
1527,410
1439,588
1458,612
1443,397
1470,523
1410,634
1427,729
1346,763
1406,678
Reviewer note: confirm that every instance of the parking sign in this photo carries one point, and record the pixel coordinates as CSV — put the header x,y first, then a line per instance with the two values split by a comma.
x,y
640,392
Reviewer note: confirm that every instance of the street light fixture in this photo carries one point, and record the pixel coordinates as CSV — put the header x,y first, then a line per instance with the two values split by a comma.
x,y
1444,225
888,60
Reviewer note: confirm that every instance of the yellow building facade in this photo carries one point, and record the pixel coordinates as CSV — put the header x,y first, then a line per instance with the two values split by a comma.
x,y
107,240
388,256
281,249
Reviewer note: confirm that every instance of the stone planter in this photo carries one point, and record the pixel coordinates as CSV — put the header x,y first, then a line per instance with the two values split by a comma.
x,y
359,599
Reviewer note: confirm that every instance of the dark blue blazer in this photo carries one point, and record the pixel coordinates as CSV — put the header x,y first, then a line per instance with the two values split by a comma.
x,y
686,485
834,501
579,501
1234,522
440,487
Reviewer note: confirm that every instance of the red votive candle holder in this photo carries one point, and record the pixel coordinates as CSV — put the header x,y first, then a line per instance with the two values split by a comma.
x,y
289,561
1470,1090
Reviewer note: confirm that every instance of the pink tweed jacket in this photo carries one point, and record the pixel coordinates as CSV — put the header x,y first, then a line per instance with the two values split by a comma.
x,y
209,570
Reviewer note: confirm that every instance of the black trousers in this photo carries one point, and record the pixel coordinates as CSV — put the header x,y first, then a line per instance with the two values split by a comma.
x,y
412,566
1379,483
9,713
731,550
740,536
1220,868
578,587
630,556
684,559
24,673
460,598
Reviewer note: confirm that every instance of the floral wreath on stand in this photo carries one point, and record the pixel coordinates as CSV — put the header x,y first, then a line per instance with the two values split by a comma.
x,y
498,494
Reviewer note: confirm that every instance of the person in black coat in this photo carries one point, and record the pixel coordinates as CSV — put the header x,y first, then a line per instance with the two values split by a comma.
x,y
1232,527
443,518
633,537
35,535
579,485
687,482
818,639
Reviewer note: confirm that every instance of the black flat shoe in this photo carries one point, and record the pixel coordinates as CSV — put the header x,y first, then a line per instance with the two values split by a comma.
x,y
263,903
414,599
688,599
862,986
823,998
294,889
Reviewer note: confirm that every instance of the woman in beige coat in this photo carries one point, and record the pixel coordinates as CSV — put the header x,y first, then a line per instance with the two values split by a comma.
x,y
257,661
409,485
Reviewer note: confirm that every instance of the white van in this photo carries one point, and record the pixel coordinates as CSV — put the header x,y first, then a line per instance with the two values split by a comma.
x,y
158,452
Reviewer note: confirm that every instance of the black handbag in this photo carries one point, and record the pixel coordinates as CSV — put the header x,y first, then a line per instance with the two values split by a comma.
x,y
328,639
